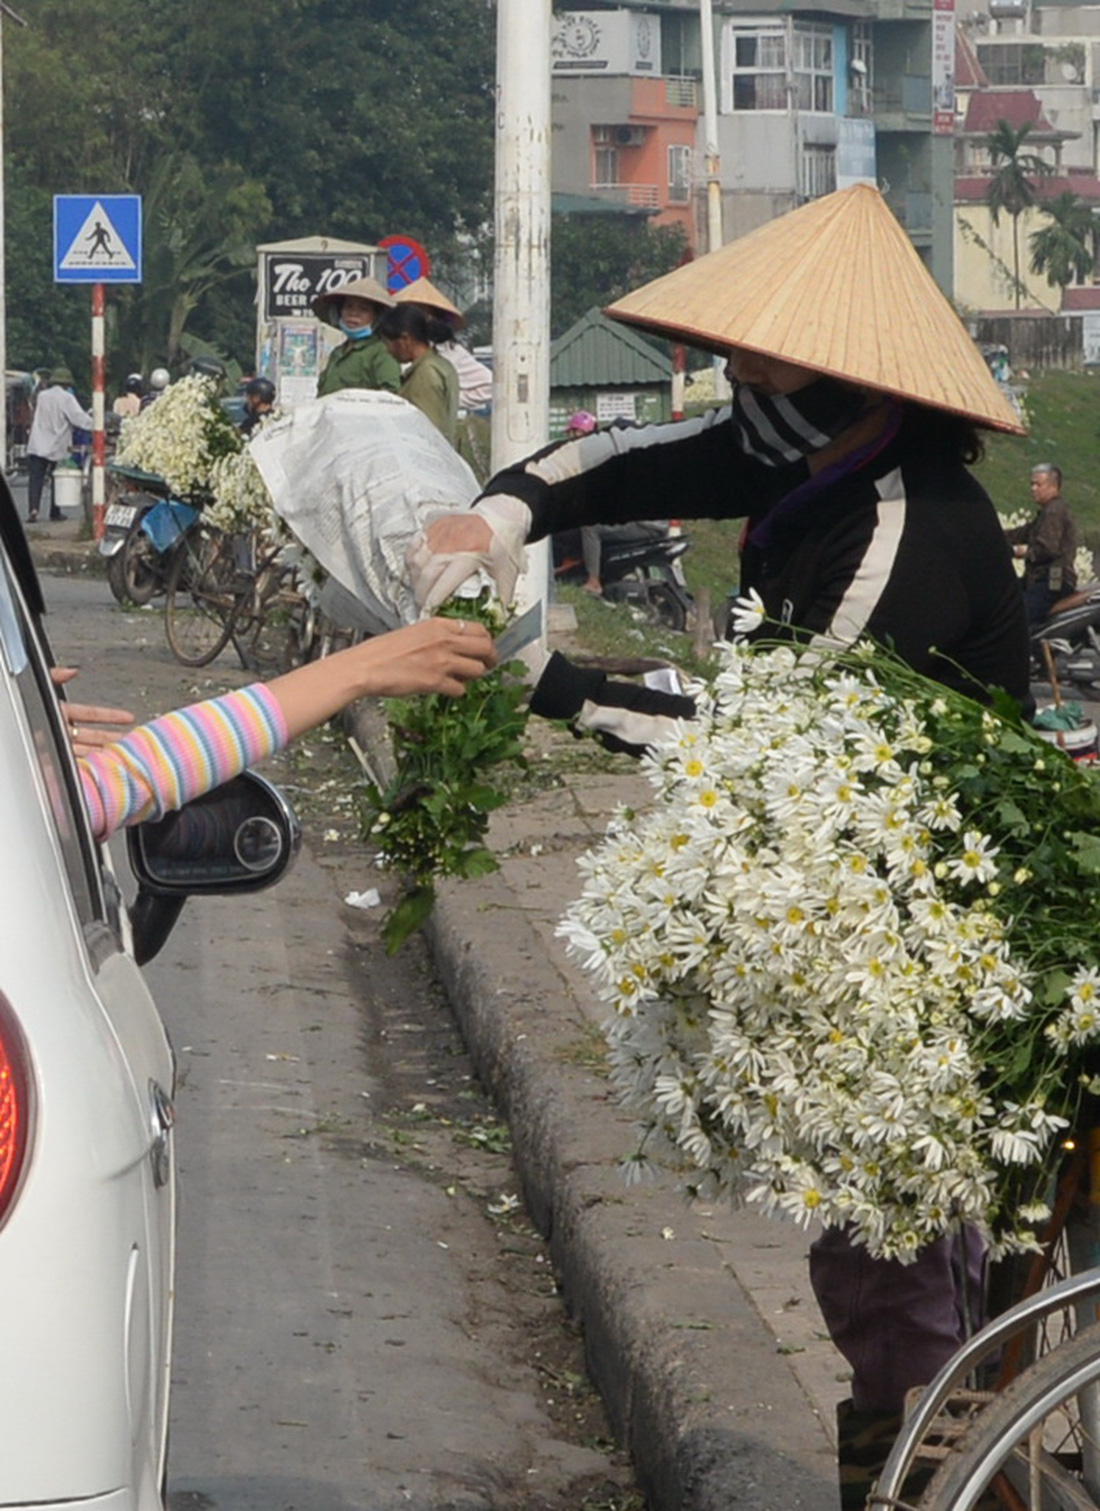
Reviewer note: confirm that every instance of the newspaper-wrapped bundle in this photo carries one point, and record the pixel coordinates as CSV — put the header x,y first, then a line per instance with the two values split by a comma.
x,y
356,475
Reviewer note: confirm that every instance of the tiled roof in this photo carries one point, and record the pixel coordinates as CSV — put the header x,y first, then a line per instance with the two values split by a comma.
x,y
969,73
986,108
974,189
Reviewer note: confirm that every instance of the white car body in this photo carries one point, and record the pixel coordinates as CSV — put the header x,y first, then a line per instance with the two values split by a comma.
x,y
86,1244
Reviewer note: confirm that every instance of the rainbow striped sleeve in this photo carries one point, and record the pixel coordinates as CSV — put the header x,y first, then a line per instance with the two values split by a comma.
x,y
164,764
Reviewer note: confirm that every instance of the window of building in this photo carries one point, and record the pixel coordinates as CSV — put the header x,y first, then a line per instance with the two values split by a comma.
x,y
813,67
763,54
606,156
862,70
816,171
679,175
1013,63
760,68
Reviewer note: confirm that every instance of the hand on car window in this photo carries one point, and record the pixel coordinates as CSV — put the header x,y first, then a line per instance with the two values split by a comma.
x,y
90,724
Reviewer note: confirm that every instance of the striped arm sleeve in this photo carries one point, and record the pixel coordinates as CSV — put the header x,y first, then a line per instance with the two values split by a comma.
x,y
164,764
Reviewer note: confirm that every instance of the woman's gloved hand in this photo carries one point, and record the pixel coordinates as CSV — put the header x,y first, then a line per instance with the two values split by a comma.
x,y
491,535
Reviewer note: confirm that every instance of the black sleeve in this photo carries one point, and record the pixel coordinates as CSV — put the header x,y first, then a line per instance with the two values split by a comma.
x,y
688,469
563,690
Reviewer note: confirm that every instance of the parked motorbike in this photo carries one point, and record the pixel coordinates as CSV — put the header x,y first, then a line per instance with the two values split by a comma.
x,y
1072,633
142,524
646,573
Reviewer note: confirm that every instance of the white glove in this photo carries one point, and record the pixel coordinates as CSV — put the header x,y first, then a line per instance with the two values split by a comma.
x,y
436,575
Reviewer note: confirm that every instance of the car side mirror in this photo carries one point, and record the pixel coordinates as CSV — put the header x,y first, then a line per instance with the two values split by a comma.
x,y
241,837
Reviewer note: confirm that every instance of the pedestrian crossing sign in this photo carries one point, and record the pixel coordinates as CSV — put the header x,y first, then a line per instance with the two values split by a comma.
x,y
97,238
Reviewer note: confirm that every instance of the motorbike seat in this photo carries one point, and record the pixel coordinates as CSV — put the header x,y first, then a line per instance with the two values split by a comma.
x,y
1090,591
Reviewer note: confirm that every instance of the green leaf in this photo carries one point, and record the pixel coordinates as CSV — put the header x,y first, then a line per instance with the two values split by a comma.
x,y
1085,849
410,914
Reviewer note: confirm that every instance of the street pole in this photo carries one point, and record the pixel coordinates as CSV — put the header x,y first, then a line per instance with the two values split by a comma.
x,y
712,161
5,459
521,277
99,439
712,157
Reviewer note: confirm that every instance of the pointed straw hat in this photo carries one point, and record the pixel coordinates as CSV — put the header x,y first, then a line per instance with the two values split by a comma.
x,y
836,286
326,306
423,291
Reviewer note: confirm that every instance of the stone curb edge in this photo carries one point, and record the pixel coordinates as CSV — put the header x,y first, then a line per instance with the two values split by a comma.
x,y
687,1369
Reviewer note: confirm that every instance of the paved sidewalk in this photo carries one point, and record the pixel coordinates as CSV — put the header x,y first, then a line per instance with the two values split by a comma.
x,y
702,1332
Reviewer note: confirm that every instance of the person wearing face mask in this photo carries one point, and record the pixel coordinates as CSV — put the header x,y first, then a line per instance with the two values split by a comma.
x,y
362,360
858,404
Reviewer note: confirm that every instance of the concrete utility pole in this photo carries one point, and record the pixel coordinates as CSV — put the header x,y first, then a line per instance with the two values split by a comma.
x,y
521,287
5,10
713,162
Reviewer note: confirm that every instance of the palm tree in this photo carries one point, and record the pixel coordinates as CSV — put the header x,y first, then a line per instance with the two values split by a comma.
x,y
1010,187
1064,249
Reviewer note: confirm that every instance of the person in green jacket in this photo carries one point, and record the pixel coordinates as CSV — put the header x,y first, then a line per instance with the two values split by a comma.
x,y
362,360
430,381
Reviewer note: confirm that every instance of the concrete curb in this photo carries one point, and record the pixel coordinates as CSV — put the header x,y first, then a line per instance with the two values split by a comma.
x,y
693,1380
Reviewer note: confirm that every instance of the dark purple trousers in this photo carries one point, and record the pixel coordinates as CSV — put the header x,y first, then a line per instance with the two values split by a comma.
x,y
896,1324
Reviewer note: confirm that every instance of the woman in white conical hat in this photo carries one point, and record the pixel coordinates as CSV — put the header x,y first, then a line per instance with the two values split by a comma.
x,y
858,403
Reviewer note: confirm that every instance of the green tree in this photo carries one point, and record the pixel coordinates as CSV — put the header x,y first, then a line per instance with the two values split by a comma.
x,y
595,259
1011,188
332,117
1064,250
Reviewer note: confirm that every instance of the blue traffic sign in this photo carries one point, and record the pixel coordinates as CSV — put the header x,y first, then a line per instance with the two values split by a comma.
x,y
97,238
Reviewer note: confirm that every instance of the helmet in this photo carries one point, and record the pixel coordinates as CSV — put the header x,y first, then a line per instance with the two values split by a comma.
x,y
581,423
134,383
159,378
208,367
260,388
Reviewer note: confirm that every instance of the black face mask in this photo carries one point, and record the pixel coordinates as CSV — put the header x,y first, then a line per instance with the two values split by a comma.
x,y
778,429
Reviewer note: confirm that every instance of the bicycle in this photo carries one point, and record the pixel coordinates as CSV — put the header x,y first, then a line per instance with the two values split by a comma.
x,y
223,588
1029,1439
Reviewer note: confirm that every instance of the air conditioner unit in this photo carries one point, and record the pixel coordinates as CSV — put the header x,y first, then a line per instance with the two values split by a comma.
x,y
629,136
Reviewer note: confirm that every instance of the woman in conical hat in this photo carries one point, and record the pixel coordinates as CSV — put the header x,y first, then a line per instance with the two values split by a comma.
x,y
858,402
475,380
361,360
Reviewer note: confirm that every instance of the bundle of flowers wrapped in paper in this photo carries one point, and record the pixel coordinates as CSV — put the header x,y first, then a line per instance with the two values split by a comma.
x,y
849,952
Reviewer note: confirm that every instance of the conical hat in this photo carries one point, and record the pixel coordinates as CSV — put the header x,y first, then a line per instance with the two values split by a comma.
x,y
325,306
836,286
423,291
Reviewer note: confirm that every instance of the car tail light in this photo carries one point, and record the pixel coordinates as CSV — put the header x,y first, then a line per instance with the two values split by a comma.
x,y
15,1106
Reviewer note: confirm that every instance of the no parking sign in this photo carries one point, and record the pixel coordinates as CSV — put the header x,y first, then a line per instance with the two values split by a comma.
x,y
406,261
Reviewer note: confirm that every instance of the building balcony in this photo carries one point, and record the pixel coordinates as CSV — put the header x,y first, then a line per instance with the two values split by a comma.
x,y
643,196
913,209
904,105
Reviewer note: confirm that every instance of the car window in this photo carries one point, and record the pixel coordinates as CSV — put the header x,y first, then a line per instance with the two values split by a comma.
x,y
23,654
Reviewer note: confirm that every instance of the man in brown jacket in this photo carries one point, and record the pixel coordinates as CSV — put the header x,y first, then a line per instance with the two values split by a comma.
x,y
1047,543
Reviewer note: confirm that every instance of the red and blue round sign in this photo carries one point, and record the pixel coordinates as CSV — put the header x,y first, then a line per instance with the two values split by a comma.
x,y
406,261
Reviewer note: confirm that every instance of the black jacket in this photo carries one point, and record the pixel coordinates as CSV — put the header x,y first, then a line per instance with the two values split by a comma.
x,y
906,548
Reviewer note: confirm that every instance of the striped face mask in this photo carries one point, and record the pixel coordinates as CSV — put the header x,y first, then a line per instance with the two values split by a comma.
x,y
778,429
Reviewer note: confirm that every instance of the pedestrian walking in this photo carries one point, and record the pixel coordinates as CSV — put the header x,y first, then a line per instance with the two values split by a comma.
x,y
56,415
428,380
857,406
1047,545
361,360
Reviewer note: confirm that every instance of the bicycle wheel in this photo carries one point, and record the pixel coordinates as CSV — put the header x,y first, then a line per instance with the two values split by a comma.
x,y
201,600
275,628
1027,1447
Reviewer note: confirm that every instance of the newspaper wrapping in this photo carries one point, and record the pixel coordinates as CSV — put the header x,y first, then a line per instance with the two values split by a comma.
x,y
356,475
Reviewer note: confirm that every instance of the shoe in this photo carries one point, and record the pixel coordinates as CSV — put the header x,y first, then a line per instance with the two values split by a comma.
x,y
56,514
32,517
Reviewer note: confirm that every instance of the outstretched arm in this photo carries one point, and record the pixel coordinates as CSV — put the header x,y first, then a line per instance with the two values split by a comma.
x,y
164,764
